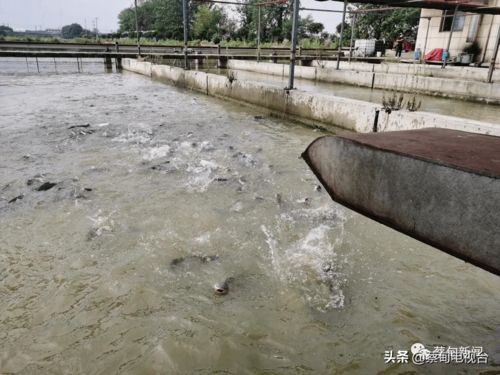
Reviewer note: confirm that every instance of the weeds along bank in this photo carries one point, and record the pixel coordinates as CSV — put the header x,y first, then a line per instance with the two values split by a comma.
x,y
306,43
330,112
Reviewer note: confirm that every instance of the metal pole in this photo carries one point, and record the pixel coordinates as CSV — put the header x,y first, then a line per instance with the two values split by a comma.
x,y
451,34
487,40
426,38
494,58
96,29
353,27
185,24
258,36
55,65
137,29
27,65
341,34
37,66
293,48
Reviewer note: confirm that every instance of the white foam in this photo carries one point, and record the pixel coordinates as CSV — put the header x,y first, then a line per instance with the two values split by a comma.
x,y
201,175
237,207
328,214
206,146
186,148
156,152
137,133
203,239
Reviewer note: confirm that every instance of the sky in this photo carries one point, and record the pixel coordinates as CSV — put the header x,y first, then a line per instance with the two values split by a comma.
x,y
42,14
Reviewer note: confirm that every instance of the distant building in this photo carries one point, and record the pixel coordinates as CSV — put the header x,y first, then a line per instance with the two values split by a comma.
x,y
468,28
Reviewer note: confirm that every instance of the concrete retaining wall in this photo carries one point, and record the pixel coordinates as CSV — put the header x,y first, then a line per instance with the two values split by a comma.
x,y
141,67
451,72
311,108
383,76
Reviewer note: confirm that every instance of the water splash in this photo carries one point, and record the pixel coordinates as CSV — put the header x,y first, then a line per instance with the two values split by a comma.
x,y
156,153
101,224
310,265
272,244
201,175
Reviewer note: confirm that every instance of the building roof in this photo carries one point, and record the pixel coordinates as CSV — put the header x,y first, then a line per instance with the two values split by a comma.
x,y
473,6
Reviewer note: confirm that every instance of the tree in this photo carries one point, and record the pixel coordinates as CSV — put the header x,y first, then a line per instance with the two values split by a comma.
x,y
5,30
207,23
126,19
346,36
315,28
308,28
324,36
168,18
386,25
145,19
164,17
74,30
275,22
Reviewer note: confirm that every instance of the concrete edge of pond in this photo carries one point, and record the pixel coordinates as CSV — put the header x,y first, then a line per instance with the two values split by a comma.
x,y
426,80
439,186
326,111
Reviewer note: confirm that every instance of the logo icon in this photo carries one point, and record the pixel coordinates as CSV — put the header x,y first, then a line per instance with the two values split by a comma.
x,y
420,353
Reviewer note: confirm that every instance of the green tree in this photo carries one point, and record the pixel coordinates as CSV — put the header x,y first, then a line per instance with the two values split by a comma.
x,y
275,22
315,28
72,31
126,20
346,36
5,30
308,28
168,18
207,22
386,25
164,17
145,18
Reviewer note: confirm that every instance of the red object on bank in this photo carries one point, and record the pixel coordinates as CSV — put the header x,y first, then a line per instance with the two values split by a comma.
x,y
434,55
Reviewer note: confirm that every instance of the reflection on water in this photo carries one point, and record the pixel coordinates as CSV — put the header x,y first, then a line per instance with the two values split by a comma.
x,y
23,66
107,271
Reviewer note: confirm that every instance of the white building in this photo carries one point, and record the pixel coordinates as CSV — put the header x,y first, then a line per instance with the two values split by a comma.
x,y
435,25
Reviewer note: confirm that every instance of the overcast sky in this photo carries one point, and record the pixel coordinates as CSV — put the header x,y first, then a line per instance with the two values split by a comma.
x,y
36,14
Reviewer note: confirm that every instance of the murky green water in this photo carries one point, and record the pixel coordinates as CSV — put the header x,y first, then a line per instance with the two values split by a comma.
x,y
86,280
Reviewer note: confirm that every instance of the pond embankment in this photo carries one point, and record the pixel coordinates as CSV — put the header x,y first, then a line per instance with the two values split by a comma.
x,y
453,82
326,111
